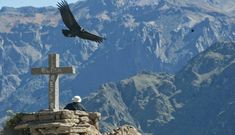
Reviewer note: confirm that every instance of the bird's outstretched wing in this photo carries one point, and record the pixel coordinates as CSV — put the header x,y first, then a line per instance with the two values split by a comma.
x,y
86,35
67,16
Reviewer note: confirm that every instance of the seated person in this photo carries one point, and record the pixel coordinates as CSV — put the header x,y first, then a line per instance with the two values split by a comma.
x,y
75,105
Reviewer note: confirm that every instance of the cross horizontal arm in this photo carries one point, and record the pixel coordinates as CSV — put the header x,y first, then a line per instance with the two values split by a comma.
x,y
65,70
57,70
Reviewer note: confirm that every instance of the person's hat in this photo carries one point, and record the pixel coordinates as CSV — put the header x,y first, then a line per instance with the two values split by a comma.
x,y
77,99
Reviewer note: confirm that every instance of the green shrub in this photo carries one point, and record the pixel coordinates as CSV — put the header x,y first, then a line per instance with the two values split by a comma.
x,y
10,124
13,120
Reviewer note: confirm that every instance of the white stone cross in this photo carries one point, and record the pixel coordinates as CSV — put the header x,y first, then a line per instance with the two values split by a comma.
x,y
53,71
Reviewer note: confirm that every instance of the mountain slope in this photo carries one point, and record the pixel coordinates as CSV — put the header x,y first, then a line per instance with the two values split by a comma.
x,y
140,100
209,97
141,36
197,100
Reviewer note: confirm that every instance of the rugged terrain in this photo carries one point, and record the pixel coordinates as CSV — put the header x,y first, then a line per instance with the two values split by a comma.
x,y
142,35
198,100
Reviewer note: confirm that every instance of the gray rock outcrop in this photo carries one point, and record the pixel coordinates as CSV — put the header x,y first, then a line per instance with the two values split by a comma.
x,y
124,130
60,122
64,122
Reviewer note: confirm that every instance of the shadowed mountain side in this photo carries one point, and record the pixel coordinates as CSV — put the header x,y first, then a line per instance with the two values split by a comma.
x,y
141,100
198,100
208,94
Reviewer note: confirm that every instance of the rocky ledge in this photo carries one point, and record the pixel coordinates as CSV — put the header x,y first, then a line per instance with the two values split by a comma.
x,y
65,122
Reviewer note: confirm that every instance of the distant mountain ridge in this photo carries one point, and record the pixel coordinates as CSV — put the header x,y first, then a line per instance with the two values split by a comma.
x,y
198,100
152,35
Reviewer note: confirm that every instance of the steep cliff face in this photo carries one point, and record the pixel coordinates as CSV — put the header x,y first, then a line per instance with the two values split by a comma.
x,y
197,100
141,101
208,97
159,35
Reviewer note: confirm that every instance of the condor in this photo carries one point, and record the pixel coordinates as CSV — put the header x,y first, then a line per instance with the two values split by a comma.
x,y
74,29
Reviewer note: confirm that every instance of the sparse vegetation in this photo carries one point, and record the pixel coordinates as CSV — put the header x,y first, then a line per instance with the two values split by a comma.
x,y
13,120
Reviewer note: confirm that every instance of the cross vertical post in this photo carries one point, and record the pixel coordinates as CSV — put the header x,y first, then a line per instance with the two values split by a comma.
x,y
53,93
53,71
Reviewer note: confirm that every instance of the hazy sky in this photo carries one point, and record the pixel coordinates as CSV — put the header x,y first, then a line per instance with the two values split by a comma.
x,y
35,3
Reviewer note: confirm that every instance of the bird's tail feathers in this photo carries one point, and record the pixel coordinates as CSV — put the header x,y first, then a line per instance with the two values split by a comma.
x,y
68,33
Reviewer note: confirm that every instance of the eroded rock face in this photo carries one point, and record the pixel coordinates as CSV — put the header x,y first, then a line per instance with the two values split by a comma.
x,y
65,122
60,122
124,130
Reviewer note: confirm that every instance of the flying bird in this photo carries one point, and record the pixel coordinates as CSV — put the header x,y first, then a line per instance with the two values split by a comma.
x,y
74,29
